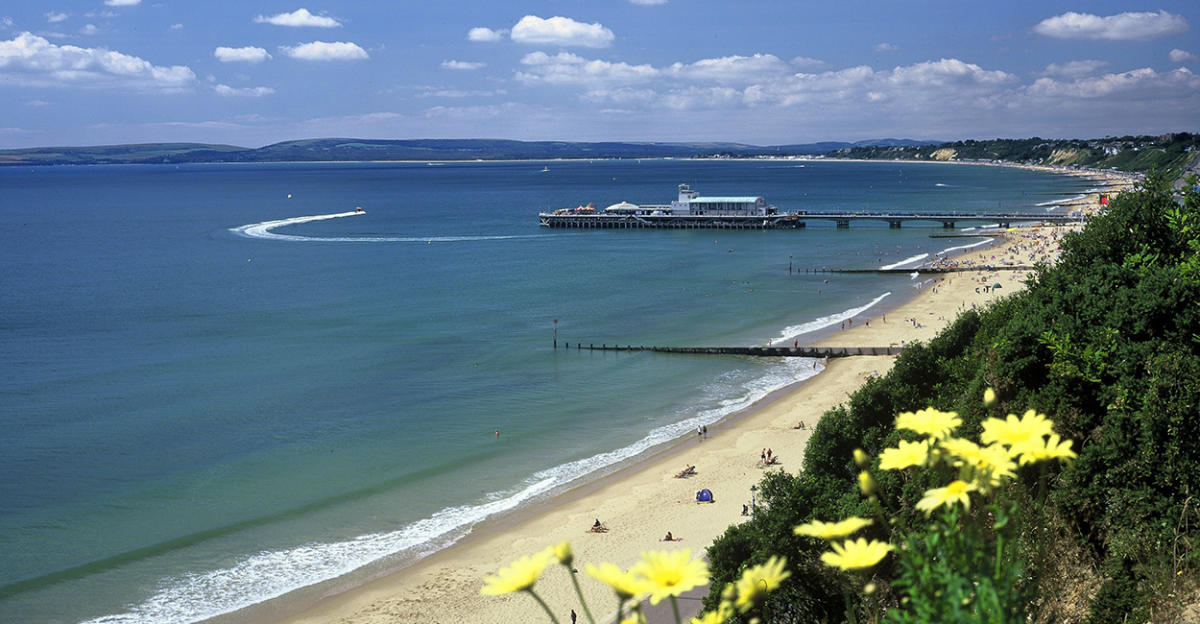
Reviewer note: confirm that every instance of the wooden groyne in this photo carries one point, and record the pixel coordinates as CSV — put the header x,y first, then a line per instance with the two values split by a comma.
x,y
929,270
810,352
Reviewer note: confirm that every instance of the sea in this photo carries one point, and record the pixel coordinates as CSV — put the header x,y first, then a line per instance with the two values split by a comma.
x,y
221,384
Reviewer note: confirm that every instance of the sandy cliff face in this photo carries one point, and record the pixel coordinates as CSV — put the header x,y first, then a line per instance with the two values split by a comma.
x,y
944,154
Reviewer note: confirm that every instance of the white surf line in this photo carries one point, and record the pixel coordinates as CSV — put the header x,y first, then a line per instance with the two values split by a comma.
x,y
906,261
265,231
950,249
794,331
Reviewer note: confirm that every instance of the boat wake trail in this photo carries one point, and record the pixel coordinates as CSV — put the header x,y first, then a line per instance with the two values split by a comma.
x,y
266,230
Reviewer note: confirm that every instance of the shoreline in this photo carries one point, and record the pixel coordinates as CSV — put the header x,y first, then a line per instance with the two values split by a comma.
x,y
642,500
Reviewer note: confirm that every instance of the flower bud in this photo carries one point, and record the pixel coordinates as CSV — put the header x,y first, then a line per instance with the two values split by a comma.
x,y
989,396
866,484
861,458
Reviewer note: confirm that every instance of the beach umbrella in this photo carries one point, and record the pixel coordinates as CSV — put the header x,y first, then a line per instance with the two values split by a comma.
x,y
996,285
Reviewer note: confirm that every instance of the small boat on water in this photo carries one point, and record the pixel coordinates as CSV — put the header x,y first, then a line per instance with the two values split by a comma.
x,y
545,169
359,210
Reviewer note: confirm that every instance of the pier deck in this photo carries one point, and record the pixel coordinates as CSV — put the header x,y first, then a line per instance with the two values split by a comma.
x,y
787,220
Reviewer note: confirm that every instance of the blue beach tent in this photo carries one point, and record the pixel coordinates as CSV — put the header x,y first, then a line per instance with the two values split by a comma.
x,y
704,496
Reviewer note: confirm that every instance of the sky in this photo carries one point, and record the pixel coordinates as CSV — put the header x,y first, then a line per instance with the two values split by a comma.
x,y
252,73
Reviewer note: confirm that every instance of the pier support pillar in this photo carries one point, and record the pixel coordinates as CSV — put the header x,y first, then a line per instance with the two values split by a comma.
x,y
843,223
949,225
894,224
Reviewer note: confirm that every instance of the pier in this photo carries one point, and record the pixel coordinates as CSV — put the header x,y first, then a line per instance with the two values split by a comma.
x,y
810,352
782,220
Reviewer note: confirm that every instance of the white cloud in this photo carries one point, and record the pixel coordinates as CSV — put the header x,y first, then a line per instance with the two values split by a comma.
x,y
122,2
55,17
36,103
462,65
1120,27
567,68
326,51
229,91
32,60
804,61
479,33
248,54
1073,69
886,47
89,29
6,21
1181,56
733,68
562,31
298,18
1138,84
176,26
459,93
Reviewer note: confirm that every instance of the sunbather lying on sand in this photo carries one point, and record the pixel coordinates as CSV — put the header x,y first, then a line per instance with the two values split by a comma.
x,y
670,538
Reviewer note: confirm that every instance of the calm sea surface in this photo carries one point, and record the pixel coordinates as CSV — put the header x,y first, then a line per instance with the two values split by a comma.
x,y
199,416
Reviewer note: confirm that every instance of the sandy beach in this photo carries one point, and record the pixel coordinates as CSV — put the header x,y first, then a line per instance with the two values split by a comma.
x,y
640,504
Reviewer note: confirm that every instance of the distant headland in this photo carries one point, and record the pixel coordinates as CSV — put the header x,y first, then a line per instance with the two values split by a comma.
x,y
1172,152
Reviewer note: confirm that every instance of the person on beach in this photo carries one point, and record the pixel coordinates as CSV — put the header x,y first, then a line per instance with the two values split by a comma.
x,y
705,432
699,434
497,433
763,455
573,616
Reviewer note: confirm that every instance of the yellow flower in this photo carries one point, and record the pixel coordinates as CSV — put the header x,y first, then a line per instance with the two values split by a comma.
x,y
989,396
831,530
562,552
758,581
930,422
626,584
724,612
861,458
866,484
1013,432
957,491
908,454
1045,449
856,554
670,573
985,465
519,576
635,618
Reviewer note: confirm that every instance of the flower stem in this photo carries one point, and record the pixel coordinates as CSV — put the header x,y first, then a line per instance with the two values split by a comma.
x,y
582,602
544,605
675,608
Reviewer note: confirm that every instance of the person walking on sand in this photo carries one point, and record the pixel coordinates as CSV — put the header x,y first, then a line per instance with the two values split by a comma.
x,y
573,616
704,431
763,455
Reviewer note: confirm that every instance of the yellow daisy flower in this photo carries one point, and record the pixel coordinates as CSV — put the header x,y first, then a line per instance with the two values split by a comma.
x,y
626,584
670,573
831,530
985,465
562,552
856,554
933,423
1013,432
758,581
519,576
724,612
907,454
1041,450
957,491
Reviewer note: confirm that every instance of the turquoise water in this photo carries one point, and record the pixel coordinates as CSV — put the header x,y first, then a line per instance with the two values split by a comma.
x,y
199,416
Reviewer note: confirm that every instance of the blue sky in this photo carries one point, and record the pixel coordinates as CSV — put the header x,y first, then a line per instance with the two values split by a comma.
x,y
250,73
